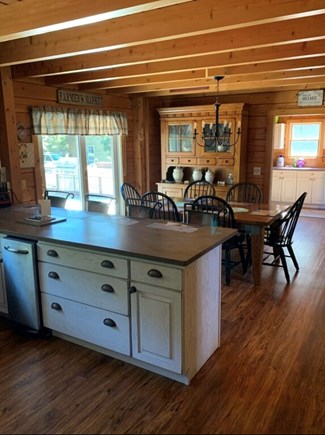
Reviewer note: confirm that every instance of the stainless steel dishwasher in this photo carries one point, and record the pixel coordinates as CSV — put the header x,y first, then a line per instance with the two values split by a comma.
x,y
21,281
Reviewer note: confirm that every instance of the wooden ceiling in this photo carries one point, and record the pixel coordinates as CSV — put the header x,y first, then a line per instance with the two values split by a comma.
x,y
166,47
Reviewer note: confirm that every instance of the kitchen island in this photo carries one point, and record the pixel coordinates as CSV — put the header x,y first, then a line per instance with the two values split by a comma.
x,y
143,291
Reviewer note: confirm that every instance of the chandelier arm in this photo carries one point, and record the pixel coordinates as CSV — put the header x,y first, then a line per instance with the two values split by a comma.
x,y
217,138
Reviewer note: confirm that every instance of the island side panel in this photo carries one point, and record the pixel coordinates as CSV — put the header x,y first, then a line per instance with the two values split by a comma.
x,y
202,308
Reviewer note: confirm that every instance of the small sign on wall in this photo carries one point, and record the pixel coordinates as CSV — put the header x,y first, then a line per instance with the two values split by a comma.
x,y
310,98
79,98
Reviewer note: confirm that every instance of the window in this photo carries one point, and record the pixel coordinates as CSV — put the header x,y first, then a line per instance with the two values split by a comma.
x,y
82,165
304,139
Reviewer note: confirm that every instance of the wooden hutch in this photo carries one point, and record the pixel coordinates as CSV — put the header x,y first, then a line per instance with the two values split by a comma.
x,y
178,148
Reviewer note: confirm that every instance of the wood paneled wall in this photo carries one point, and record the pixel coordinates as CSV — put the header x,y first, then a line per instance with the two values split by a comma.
x,y
33,92
262,107
142,146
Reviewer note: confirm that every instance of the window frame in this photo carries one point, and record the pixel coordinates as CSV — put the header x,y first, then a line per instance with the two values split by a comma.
x,y
117,160
306,120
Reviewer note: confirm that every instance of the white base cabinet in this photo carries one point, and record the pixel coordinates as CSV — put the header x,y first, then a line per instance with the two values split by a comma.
x,y
156,313
288,185
162,317
314,184
90,306
284,186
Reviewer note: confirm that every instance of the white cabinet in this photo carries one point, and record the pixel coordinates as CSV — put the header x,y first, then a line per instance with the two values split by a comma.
x,y
156,313
288,185
85,295
312,182
284,185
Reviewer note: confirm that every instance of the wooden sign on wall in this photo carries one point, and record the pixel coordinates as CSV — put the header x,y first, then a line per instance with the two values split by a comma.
x,y
79,98
310,98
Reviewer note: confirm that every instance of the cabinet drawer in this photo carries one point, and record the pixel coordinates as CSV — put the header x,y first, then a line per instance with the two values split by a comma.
x,y
188,161
100,291
87,323
207,162
83,259
226,162
173,192
172,160
156,274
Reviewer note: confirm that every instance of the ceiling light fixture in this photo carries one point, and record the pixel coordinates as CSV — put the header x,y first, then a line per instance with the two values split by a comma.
x,y
217,136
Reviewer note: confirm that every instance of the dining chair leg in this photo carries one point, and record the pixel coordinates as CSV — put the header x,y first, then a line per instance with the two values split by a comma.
x,y
242,258
284,264
293,257
249,251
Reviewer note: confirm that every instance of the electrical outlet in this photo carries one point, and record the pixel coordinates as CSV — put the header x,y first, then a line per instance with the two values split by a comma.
x,y
23,184
257,170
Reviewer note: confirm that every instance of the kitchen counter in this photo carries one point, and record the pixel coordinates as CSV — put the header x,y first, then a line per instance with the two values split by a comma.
x,y
116,234
145,293
293,168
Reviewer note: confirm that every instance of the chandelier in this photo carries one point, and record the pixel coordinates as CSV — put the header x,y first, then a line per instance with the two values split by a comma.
x,y
217,136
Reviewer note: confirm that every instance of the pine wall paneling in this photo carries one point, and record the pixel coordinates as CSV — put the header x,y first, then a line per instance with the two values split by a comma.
x,y
33,92
261,108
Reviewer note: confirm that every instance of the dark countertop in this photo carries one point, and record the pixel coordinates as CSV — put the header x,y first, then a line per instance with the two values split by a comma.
x,y
305,168
115,235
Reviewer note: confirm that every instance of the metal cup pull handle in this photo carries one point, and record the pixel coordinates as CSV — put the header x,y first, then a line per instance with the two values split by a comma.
x,y
154,273
109,322
108,264
55,306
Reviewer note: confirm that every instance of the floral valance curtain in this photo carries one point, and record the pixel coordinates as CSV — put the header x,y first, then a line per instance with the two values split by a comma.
x,y
60,120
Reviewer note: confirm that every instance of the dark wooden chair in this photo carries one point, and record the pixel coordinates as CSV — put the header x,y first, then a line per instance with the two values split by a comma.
x,y
58,198
199,188
215,211
98,203
130,195
245,192
140,211
279,237
163,207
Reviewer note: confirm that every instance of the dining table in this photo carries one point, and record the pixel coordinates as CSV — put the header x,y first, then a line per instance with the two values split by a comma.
x,y
251,219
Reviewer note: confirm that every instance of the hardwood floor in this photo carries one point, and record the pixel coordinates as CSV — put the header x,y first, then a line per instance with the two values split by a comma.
x,y
268,376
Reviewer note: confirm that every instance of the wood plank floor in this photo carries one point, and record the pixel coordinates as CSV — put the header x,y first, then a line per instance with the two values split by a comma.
x,y
268,377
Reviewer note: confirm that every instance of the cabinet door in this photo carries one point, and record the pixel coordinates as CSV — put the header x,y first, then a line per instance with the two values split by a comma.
x,y
305,184
179,137
318,188
156,326
276,186
289,186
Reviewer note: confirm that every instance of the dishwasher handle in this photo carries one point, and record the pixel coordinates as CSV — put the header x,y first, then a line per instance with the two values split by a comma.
x,y
16,251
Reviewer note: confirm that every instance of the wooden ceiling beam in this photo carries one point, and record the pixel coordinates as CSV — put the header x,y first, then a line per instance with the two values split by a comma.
x,y
144,80
37,17
192,18
190,75
208,86
90,62
199,62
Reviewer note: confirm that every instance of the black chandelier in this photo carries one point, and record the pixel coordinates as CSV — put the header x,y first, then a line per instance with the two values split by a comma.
x,y
217,136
